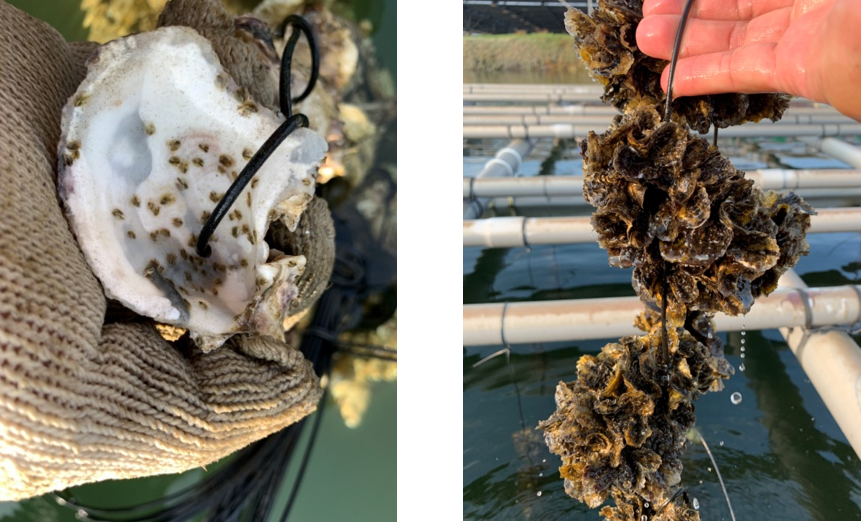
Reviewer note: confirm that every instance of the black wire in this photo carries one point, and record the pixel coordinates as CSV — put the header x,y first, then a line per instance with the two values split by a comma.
x,y
248,172
284,88
676,48
285,129
664,298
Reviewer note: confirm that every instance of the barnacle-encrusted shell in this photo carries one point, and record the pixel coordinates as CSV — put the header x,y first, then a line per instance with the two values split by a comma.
x,y
607,44
151,141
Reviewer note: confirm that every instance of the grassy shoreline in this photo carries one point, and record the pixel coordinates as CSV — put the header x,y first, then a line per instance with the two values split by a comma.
x,y
520,52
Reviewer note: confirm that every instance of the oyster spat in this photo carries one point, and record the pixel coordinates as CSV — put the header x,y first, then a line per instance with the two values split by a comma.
x,y
669,204
151,141
621,427
607,44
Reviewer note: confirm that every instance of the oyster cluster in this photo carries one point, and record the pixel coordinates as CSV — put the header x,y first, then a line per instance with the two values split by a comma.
x,y
700,238
621,426
608,47
671,206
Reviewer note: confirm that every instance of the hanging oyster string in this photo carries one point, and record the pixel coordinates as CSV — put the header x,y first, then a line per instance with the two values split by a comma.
x,y
149,153
700,239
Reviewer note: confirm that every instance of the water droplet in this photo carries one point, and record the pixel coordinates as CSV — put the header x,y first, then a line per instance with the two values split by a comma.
x,y
742,348
646,505
696,503
541,474
800,429
741,367
543,460
710,335
644,517
812,419
742,355
742,332
701,482
742,342
710,469
735,397
538,494
721,443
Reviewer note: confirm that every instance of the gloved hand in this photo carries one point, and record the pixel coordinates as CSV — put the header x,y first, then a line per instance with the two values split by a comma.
x,y
88,390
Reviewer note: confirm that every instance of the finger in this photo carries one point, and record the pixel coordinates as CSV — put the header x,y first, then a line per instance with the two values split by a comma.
x,y
733,10
656,34
749,69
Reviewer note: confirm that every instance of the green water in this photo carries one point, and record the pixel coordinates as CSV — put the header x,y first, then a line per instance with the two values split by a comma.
x,y
358,467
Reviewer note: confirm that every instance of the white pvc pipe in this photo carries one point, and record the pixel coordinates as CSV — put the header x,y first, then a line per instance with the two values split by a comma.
x,y
749,130
555,186
531,186
507,232
832,361
600,109
829,196
613,317
576,110
603,120
511,232
597,121
532,87
507,162
839,149
533,97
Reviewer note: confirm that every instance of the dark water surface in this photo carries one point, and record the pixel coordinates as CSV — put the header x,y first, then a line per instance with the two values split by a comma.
x,y
781,454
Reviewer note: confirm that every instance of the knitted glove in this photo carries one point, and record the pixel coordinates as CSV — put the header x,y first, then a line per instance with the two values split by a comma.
x,y
88,390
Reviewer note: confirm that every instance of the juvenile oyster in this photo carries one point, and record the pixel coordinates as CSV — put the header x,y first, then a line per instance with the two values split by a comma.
x,y
607,44
151,141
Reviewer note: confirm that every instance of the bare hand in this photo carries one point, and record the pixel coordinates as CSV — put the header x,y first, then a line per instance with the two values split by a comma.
x,y
809,48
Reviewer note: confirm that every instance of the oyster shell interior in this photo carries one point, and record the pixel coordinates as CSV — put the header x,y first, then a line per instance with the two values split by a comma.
x,y
151,141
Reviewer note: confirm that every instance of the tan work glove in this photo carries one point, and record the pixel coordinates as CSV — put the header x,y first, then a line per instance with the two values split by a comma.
x,y
86,397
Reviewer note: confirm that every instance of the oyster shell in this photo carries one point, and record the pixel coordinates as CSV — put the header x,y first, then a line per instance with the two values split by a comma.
x,y
151,141
620,428
668,203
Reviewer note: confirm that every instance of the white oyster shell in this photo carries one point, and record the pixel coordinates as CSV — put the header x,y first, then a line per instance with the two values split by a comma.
x,y
151,141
